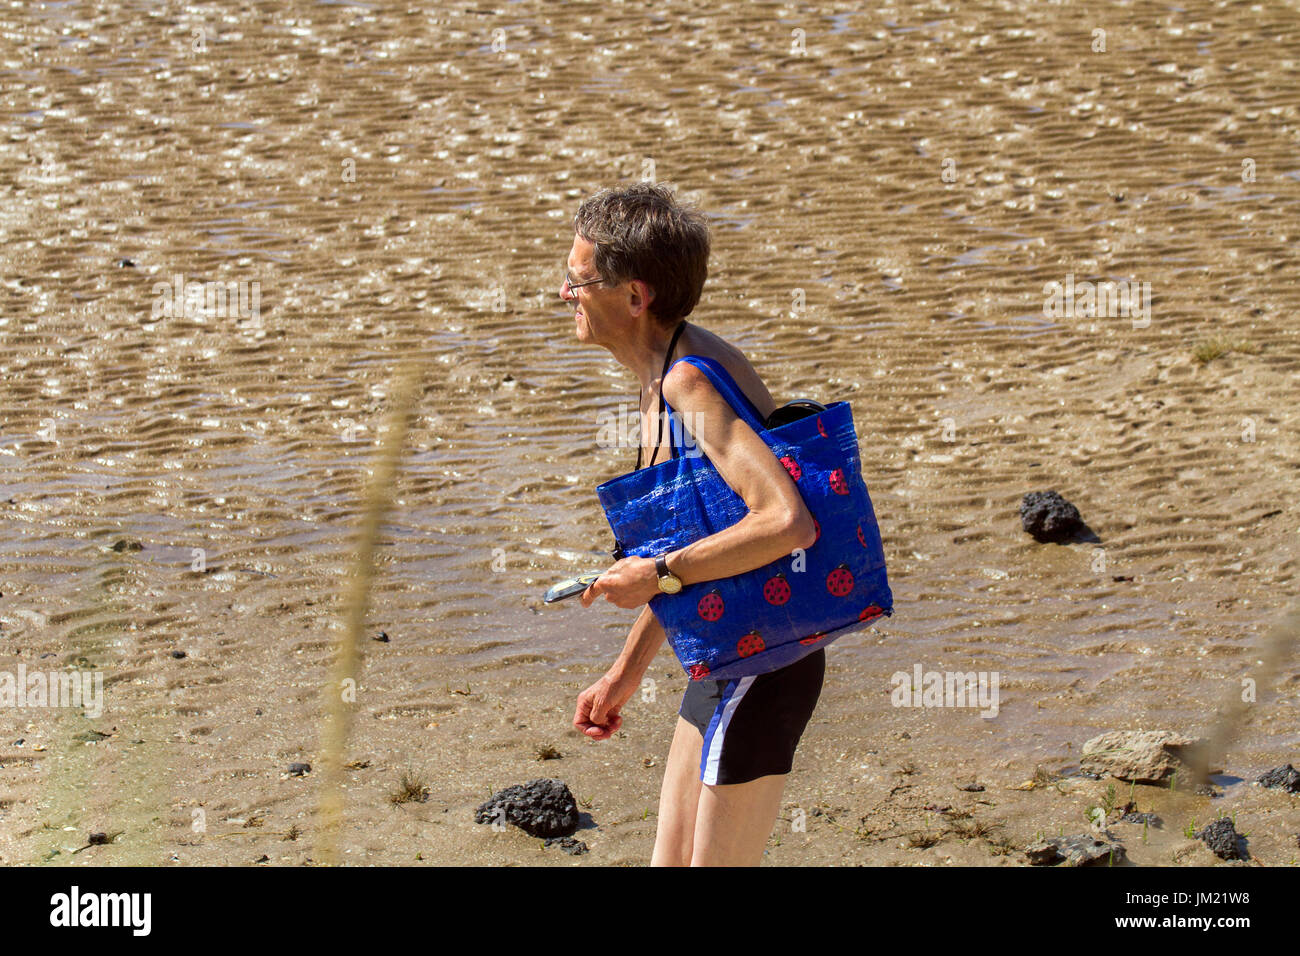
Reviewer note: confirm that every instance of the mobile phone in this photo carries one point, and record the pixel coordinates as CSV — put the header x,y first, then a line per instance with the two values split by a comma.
x,y
571,586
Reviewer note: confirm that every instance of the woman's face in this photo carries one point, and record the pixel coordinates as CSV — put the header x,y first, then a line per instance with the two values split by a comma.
x,y
597,317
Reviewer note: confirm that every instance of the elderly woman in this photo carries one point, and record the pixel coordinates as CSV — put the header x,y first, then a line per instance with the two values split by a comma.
x,y
635,271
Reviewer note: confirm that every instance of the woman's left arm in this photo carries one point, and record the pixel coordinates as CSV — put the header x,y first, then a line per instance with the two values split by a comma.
x,y
778,521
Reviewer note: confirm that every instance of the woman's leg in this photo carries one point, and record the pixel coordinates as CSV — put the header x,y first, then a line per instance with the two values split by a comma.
x,y
734,821
678,798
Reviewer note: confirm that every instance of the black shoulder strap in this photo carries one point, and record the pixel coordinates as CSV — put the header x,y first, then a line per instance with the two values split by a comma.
x,y
659,421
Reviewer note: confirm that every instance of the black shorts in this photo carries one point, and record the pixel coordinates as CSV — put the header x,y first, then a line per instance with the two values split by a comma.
x,y
751,725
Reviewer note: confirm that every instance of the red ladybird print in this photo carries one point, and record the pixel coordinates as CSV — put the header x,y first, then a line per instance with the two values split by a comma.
x,y
821,429
838,484
699,671
812,638
817,530
870,612
840,581
711,606
862,540
750,644
792,466
777,590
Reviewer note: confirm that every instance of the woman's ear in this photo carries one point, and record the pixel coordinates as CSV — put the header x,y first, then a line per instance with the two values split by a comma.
x,y
641,296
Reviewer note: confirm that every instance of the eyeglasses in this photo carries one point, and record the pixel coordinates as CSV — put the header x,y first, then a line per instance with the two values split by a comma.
x,y
568,281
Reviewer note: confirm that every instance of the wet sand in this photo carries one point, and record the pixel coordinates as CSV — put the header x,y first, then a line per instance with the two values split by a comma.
x,y
400,182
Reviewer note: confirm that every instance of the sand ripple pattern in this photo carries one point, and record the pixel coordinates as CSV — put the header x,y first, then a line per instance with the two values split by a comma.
x,y
890,192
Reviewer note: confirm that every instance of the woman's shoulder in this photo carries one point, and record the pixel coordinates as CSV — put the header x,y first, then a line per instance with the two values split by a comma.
x,y
739,368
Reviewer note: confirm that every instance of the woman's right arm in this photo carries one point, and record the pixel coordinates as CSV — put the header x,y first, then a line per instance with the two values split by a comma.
x,y
640,648
597,715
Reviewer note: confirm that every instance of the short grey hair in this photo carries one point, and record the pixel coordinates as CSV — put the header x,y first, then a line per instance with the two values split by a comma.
x,y
642,232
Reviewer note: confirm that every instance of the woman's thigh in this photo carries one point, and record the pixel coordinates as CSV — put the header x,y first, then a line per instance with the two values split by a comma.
x,y
678,798
734,821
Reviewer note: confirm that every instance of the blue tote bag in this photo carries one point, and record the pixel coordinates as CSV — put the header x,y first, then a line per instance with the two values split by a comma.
x,y
770,617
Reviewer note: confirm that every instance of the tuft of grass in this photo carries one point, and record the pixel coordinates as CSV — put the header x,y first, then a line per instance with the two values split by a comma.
x,y
1001,846
972,829
1043,778
923,841
410,790
1210,349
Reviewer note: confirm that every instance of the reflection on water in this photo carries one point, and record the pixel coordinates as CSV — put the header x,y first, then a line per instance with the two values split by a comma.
x,y
400,182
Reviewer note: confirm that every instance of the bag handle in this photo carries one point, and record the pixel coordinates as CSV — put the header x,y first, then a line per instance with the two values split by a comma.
x,y
728,389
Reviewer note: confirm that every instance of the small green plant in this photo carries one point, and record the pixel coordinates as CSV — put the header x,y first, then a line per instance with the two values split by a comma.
x,y
1109,802
1191,830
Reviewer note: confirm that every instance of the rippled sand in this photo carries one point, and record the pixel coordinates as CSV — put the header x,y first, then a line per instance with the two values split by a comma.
x,y
890,193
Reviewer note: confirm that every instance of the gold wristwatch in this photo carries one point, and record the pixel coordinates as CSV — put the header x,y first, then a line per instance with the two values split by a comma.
x,y
669,583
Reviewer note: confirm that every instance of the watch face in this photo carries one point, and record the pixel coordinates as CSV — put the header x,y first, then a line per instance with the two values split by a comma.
x,y
670,584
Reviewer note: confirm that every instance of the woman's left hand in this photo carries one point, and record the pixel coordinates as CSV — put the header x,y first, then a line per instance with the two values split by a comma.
x,y
628,583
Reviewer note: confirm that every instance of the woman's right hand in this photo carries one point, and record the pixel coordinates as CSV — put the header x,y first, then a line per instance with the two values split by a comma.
x,y
597,715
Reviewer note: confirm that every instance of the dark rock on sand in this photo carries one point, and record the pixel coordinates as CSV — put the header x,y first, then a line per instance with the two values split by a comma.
x,y
298,769
1282,778
1082,849
1134,817
569,845
1049,517
1222,837
541,808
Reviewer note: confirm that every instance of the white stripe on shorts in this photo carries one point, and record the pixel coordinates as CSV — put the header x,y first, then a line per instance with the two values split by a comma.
x,y
715,745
